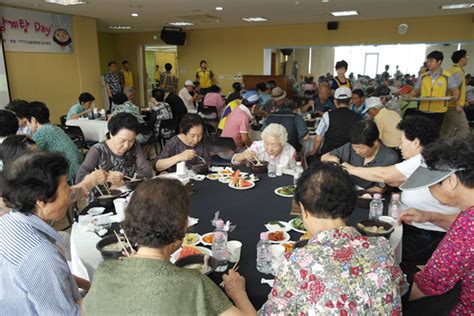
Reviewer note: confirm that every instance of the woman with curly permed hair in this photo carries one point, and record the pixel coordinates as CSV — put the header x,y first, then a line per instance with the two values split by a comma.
x,y
419,239
147,283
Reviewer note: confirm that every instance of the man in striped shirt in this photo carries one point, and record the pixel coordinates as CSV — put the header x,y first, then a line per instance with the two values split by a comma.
x,y
34,275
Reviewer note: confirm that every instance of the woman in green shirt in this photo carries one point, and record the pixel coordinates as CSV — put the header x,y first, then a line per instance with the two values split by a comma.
x,y
147,283
52,138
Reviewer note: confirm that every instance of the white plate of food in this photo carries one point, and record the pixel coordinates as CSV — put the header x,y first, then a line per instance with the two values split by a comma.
x,y
297,225
278,237
195,251
285,191
213,176
191,239
277,225
242,184
207,239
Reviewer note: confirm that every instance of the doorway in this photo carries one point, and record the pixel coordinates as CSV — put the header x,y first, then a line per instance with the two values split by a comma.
x,y
158,56
371,64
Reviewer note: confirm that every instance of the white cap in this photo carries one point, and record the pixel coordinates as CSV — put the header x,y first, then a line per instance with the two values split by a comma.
x,y
343,93
373,102
189,83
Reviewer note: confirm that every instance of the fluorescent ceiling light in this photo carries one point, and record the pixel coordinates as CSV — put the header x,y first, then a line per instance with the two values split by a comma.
x,y
119,27
219,8
457,6
66,2
134,14
255,19
344,13
181,23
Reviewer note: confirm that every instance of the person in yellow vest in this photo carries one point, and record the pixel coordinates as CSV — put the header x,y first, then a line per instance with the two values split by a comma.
x,y
340,80
435,83
126,77
205,77
455,121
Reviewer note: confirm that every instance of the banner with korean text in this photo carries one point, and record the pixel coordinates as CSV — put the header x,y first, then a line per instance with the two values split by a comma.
x,y
34,31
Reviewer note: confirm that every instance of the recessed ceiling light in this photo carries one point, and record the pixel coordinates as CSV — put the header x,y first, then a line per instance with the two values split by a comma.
x,y
325,1
219,8
344,13
134,14
457,6
255,19
119,27
181,23
66,2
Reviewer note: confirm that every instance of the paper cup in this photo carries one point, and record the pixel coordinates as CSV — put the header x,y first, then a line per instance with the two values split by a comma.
x,y
120,205
181,169
277,251
234,248
277,257
279,170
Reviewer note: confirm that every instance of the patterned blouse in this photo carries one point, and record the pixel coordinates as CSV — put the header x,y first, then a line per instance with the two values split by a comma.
x,y
287,156
176,146
451,262
163,112
339,272
113,80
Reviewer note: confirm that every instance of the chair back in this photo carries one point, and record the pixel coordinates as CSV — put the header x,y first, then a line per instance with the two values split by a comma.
x,y
62,119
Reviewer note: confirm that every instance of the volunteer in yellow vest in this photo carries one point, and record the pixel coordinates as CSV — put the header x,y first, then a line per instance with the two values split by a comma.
x,y
455,121
340,80
126,77
205,77
435,83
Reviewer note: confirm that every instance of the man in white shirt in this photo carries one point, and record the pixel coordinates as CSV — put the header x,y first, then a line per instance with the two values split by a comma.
x,y
189,96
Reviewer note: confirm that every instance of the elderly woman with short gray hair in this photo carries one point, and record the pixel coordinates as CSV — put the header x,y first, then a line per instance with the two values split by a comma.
x,y
273,147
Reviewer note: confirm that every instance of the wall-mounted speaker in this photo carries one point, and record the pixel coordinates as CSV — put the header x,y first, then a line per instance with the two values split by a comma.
x,y
173,36
332,25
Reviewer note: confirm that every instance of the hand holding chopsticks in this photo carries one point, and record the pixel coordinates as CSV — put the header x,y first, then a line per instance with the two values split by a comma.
x,y
234,268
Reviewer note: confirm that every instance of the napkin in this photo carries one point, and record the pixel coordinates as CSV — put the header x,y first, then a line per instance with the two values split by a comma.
x,y
192,221
267,281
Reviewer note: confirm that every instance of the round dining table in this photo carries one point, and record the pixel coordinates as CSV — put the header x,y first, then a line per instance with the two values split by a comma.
x,y
248,209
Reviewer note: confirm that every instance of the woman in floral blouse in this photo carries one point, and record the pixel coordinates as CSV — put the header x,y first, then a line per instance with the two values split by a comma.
x,y
339,272
450,178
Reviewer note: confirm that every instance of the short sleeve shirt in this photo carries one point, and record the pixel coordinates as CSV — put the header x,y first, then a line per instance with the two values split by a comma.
x,y
339,272
387,121
53,138
287,155
74,110
323,125
113,80
158,288
384,157
452,262
421,198
237,122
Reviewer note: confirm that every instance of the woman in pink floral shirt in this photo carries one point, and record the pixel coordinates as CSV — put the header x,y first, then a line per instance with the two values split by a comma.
x,y
450,177
339,272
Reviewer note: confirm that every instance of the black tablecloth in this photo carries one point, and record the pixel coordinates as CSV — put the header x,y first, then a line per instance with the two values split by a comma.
x,y
250,210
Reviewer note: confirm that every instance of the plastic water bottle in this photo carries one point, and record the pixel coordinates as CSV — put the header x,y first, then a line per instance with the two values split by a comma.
x,y
395,206
376,206
264,255
219,246
272,169
298,172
